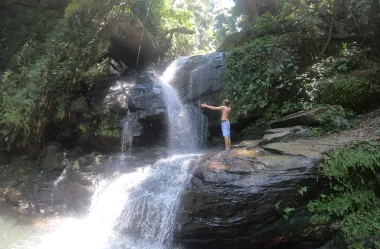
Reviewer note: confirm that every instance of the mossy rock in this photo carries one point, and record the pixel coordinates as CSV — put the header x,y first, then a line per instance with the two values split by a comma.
x,y
359,91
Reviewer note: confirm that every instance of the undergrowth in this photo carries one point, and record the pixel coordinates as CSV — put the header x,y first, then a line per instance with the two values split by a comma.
x,y
271,114
354,205
261,72
335,118
358,93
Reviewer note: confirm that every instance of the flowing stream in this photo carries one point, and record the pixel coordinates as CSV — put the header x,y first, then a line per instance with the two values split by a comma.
x,y
135,210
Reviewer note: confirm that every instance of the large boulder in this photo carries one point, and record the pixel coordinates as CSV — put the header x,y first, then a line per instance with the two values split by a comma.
x,y
142,97
11,196
256,197
308,118
54,157
200,78
97,120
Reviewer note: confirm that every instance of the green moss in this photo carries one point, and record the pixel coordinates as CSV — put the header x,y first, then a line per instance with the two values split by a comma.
x,y
83,128
76,165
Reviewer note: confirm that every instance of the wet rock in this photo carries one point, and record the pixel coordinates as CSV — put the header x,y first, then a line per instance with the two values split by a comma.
x,y
4,155
308,118
284,135
135,93
78,197
54,157
11,196
239,197
200,77
133,128
79,105
138,97
337,242
250,144
149,101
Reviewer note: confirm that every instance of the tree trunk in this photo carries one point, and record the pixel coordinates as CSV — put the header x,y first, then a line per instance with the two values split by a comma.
x,y
331,28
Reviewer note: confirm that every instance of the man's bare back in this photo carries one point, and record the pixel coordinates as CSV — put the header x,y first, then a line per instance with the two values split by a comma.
x,y
225,113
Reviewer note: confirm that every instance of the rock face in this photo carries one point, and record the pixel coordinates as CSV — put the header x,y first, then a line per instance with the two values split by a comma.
x,y
58,192
255,197
308,118
97,120
200,78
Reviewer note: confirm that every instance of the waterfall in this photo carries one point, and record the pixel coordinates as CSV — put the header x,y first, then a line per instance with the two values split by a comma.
x,y
134,211
185,123
137,210
131,128
56,183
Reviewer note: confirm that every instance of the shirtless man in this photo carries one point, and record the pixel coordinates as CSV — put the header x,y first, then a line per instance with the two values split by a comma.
x,y
225,108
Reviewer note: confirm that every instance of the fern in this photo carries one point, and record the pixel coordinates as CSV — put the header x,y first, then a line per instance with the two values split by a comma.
x,y
354,172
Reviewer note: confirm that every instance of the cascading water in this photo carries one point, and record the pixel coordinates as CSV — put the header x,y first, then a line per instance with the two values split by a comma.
x,y
186,123
56,183
131,128
137,210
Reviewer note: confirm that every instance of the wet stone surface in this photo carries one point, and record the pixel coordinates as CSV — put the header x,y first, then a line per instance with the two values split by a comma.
x,y
237,198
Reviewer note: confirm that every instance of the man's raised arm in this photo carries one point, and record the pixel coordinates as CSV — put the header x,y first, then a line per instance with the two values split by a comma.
x,y
219,108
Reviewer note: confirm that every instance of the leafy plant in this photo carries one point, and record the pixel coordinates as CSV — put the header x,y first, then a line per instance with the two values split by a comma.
x,y
288,19
277,205
335,118
287,212
258,72
348,58
354,204
302,191
274,112
348,91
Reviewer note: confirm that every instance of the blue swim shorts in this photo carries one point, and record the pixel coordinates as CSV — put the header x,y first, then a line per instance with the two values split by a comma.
x,y
226,128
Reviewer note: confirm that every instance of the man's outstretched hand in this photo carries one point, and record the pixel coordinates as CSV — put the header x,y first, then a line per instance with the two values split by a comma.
x,y
203,105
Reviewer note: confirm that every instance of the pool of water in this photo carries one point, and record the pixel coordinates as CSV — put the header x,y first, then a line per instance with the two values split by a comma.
x,y
19,231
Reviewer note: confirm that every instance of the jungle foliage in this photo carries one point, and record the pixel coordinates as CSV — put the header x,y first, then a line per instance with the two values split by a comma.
x,y
354,205
289,59
47,53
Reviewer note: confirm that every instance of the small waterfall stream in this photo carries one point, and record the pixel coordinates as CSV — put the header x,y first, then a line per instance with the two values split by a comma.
x,y
138,210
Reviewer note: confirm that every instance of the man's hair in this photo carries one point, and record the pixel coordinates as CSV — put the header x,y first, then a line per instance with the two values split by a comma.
x,y
226,102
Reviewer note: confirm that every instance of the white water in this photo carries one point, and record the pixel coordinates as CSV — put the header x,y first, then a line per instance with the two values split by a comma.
x,y
185,132
56,183
130,128
135,210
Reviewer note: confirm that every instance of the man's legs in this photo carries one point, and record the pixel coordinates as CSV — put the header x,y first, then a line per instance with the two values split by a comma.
x,y
229,142
226,141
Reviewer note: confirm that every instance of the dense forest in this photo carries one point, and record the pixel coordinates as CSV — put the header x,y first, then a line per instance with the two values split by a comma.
x,y
281,57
